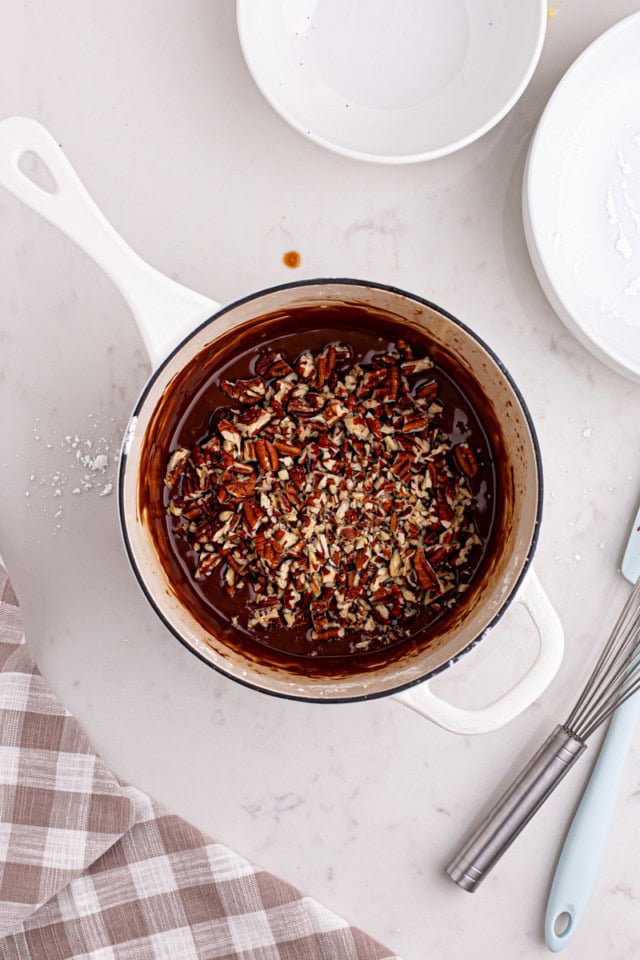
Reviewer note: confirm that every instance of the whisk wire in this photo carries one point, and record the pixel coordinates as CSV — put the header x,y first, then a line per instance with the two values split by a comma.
x,y
613,685
598,669
625,691
616,675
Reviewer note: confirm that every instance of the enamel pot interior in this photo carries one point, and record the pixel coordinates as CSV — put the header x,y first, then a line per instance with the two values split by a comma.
x,y
506,420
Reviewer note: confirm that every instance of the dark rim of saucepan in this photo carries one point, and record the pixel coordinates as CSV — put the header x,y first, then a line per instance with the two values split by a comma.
x,y
347,282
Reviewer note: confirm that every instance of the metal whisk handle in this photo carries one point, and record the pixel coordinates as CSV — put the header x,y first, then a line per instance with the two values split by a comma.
x,y
504,822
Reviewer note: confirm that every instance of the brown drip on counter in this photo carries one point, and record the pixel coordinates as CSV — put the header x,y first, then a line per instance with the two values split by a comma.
x,y
292,259
182,419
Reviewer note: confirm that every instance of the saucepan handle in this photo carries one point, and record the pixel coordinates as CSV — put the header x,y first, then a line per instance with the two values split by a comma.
x,y
527,689
164,310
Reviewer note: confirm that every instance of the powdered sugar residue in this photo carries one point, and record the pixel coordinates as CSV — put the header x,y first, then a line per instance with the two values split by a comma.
x,y
612,213
633,289
624,164
90,464
622,245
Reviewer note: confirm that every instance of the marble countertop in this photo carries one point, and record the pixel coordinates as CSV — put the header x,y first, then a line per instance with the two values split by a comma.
x,y
360,805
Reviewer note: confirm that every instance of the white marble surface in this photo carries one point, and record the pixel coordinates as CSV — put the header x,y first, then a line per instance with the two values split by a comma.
x,y
361,805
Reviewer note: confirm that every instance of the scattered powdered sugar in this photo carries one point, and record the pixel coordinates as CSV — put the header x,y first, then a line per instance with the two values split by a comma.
x,y
610,312
586,429
622,244
89,469
633,289
91,458
630,204
612,213
623,215
624,165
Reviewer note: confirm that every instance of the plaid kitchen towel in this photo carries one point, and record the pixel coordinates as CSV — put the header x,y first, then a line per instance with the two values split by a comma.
x,y
92,869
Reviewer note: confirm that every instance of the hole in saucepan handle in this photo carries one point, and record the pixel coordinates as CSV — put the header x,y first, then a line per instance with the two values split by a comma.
x,y
36,170
562,924
496,664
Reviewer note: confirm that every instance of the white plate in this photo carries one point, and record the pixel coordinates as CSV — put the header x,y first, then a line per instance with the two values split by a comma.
x,y
392,81
581,198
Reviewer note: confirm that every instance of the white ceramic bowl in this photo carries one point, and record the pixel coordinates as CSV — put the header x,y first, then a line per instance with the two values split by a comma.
x,y
392,82
581,198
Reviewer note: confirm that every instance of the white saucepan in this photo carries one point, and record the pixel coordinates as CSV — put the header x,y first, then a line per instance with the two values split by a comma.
x,y
177,325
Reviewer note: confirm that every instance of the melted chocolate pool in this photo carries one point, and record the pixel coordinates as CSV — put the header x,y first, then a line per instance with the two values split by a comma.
x,y
182,420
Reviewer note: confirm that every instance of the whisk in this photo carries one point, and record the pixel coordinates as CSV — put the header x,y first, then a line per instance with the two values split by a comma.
x,y
615,678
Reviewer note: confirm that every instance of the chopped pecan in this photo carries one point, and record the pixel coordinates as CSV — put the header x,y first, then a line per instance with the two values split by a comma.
x,y
334,411
305,366
176,465
287,449
271,364
267,455
301,407
325,365
370,380
410,367
413,423
244,391
242,488
206,564
428,391
401,466
465,459
253,422
425,572
253,514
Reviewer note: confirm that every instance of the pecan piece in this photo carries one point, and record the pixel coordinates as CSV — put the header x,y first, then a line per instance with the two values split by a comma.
x,y
401,466
414,423
252,422
305,366
315,400
370,380
229,432
428,391
300,407
207,564
325,365
427,576
242,488
245,469
465,459
343,352
267,455
271,364
244,391
416,366
334,411
268,550
392,384
176,466
287,449
253,514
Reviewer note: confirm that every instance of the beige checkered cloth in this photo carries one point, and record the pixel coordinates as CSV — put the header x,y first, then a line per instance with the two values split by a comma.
x,y
92,869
